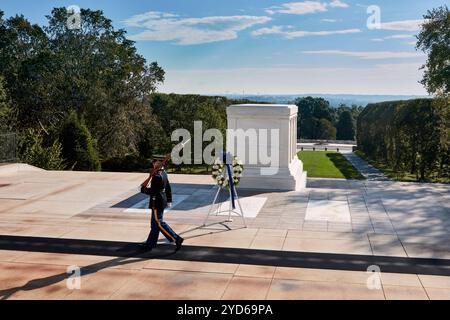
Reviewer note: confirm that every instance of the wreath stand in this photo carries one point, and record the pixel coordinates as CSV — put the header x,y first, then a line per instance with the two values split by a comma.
x,y
230,208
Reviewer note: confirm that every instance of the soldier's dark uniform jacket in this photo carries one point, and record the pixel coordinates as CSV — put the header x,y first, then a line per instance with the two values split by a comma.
x,y
160,192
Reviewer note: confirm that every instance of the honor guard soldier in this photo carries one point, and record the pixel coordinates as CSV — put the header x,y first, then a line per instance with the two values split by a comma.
x,y
160,197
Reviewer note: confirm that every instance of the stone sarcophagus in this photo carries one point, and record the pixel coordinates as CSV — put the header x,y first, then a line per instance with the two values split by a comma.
x,y
264,138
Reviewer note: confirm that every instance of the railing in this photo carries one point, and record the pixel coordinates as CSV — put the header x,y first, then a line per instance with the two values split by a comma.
x,y
350,142
8,147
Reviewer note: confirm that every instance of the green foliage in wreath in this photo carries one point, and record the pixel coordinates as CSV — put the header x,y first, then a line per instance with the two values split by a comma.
x,y
220,175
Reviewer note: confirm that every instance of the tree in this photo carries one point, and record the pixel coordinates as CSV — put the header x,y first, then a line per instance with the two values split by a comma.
x,y
311,111
345,126
104,75
434,39
32,150
326,130
78,145
153,139
6,112
95,71
25,64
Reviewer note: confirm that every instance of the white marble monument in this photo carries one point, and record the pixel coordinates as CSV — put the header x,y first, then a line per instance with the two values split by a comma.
x,y
264,137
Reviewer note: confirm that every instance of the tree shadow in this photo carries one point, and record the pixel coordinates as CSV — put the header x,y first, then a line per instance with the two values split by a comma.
x,y
344,166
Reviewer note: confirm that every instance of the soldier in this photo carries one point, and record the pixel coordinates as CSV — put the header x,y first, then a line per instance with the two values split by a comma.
x,y
160,197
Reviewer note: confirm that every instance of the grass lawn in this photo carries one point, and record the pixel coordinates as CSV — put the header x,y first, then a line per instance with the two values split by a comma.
x,y
328,164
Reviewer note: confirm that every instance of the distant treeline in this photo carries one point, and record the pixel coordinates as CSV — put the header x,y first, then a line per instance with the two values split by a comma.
x,y
318,120
410,137
170,112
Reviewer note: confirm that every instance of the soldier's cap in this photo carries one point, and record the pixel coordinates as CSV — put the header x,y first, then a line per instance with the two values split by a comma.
x,y
158,157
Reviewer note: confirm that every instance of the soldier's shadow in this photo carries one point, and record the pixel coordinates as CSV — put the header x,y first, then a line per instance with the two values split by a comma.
x,y
86,270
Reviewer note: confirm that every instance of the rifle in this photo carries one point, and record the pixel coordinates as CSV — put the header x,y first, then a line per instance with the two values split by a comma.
x,y
163,163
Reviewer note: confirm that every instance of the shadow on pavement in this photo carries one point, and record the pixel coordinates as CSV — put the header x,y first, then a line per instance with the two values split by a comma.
x,y
316,260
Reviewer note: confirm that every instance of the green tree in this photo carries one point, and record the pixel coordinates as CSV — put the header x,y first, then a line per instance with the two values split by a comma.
x,y
153,139
95,70
311,112
25,63
32,150
6,112
434,39
345,126
326,130
78,145
104,74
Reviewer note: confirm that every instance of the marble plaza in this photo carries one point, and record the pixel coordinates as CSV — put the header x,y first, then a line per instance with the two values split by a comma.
x,y
316,243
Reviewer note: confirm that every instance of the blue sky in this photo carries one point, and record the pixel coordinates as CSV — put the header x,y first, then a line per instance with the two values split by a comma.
x,y
268,47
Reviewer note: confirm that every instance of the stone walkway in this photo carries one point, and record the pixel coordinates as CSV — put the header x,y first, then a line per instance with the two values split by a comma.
x,y
368,171
52,220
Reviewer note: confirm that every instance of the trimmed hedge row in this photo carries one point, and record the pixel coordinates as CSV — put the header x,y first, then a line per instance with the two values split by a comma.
x,y
409,136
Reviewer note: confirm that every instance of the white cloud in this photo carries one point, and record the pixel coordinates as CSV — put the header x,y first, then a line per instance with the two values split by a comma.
x,y
399,36
305,7
300,33
338,4
299,8
403,25
329,20
271,30
390,78
188,31
395,36
369,54
137,20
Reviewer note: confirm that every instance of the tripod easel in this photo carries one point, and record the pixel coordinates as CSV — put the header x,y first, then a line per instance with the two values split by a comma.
x,y
230,207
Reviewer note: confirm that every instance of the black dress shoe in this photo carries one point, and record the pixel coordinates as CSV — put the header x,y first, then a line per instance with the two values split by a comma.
x,y
178,244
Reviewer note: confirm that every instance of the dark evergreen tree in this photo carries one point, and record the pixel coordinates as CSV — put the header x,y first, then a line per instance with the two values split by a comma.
x,y
345,126
78,145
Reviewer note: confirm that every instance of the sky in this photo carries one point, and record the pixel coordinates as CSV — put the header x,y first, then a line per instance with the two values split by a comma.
x,y
268,47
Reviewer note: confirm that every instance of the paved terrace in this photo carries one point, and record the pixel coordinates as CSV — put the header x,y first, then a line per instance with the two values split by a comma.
x,y
314,244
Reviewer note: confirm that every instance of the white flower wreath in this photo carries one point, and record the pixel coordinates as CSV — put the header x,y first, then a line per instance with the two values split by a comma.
x,y
220,174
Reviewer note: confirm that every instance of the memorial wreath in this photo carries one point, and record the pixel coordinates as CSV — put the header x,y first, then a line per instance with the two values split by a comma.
x,y
220,175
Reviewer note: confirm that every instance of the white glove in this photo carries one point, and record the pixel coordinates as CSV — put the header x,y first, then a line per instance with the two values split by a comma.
x,y
169,204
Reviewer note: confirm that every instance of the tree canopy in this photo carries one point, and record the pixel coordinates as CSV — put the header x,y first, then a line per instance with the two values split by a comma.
x,y
95,71
434,39
318,120
346,127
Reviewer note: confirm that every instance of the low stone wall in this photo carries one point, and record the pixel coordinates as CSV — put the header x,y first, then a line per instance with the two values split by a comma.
x,y
350,142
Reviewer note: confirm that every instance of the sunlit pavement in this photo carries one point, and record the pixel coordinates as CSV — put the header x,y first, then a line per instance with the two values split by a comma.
x,y
313,244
